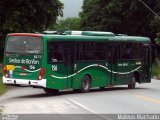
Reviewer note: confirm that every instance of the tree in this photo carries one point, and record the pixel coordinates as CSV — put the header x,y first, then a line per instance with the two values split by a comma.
x,y
119,16
155,24
28,15
67,24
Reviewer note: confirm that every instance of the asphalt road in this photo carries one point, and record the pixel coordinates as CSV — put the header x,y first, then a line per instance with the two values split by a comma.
x,y
145,99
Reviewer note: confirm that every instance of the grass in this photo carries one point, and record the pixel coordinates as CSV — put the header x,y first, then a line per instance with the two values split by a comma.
x,y
2,86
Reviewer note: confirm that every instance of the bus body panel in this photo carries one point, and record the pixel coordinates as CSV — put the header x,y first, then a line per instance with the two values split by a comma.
x,y
95,70
126,70
56,76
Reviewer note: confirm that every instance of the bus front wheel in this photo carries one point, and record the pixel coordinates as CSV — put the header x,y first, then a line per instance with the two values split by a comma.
x,y
50,91
132,85
85,84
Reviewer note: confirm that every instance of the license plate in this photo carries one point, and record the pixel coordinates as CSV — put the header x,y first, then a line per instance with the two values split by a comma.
x,y
22,74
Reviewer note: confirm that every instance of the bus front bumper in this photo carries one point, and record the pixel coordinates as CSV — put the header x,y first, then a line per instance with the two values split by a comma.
x,y
35,83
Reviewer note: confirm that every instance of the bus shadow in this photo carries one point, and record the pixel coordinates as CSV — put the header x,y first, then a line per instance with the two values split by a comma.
x,y
70,92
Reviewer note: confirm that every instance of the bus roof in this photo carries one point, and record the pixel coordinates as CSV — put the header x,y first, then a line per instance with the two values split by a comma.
x,y
87,36
78,38
98,38
132,39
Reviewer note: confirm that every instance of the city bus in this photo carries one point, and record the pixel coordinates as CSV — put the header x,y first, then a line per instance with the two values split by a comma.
x,y
78,60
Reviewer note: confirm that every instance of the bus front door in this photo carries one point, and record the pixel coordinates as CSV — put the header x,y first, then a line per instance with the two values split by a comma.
x,y
146,64
112,66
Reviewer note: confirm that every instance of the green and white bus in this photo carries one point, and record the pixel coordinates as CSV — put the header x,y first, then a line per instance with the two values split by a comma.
x,y
78,60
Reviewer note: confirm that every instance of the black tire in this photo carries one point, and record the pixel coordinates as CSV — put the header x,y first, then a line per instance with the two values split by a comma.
x,y
50,91
102,88
132,85
76,90
85,84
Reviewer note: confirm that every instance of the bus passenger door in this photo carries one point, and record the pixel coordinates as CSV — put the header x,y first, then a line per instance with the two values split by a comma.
x,y
68,61
58,79
146,64
112,64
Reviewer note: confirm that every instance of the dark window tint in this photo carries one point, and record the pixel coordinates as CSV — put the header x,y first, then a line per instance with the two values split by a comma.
x,y
125,51
76,52
136,51
55,52
100,51
86,50
24,44
90,51
130,51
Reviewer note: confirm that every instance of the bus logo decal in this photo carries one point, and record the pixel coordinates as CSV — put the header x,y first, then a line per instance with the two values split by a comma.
x,y
75,66
54,68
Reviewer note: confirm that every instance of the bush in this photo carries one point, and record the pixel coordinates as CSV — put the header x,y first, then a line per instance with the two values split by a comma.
x,y
156,69
2,86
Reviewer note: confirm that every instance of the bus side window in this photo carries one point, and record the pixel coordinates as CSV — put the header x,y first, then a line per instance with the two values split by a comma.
x,y
55,52
76,51
125,51
100,51
86,50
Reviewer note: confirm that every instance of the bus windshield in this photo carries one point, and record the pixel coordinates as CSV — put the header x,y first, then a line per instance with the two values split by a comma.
x,y
24,44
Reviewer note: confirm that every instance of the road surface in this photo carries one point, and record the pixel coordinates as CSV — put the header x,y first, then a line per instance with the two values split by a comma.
x,y
145,99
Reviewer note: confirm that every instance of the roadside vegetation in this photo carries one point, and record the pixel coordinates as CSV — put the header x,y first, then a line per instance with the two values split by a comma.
x,y
156,69
156,64
2,86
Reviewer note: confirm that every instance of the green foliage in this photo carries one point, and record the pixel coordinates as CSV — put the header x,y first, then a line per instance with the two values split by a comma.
x,y
155,24
157,39
156,70
120,16
2,87
67,24
28,15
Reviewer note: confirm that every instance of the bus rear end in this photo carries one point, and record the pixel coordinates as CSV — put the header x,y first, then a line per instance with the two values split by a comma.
x,y
23,60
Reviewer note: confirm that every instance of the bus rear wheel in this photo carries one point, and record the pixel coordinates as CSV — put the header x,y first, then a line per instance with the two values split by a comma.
x,y
132,85
50,91
85,84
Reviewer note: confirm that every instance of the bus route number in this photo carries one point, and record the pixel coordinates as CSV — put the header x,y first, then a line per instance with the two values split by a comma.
x,y
54,67
32,67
